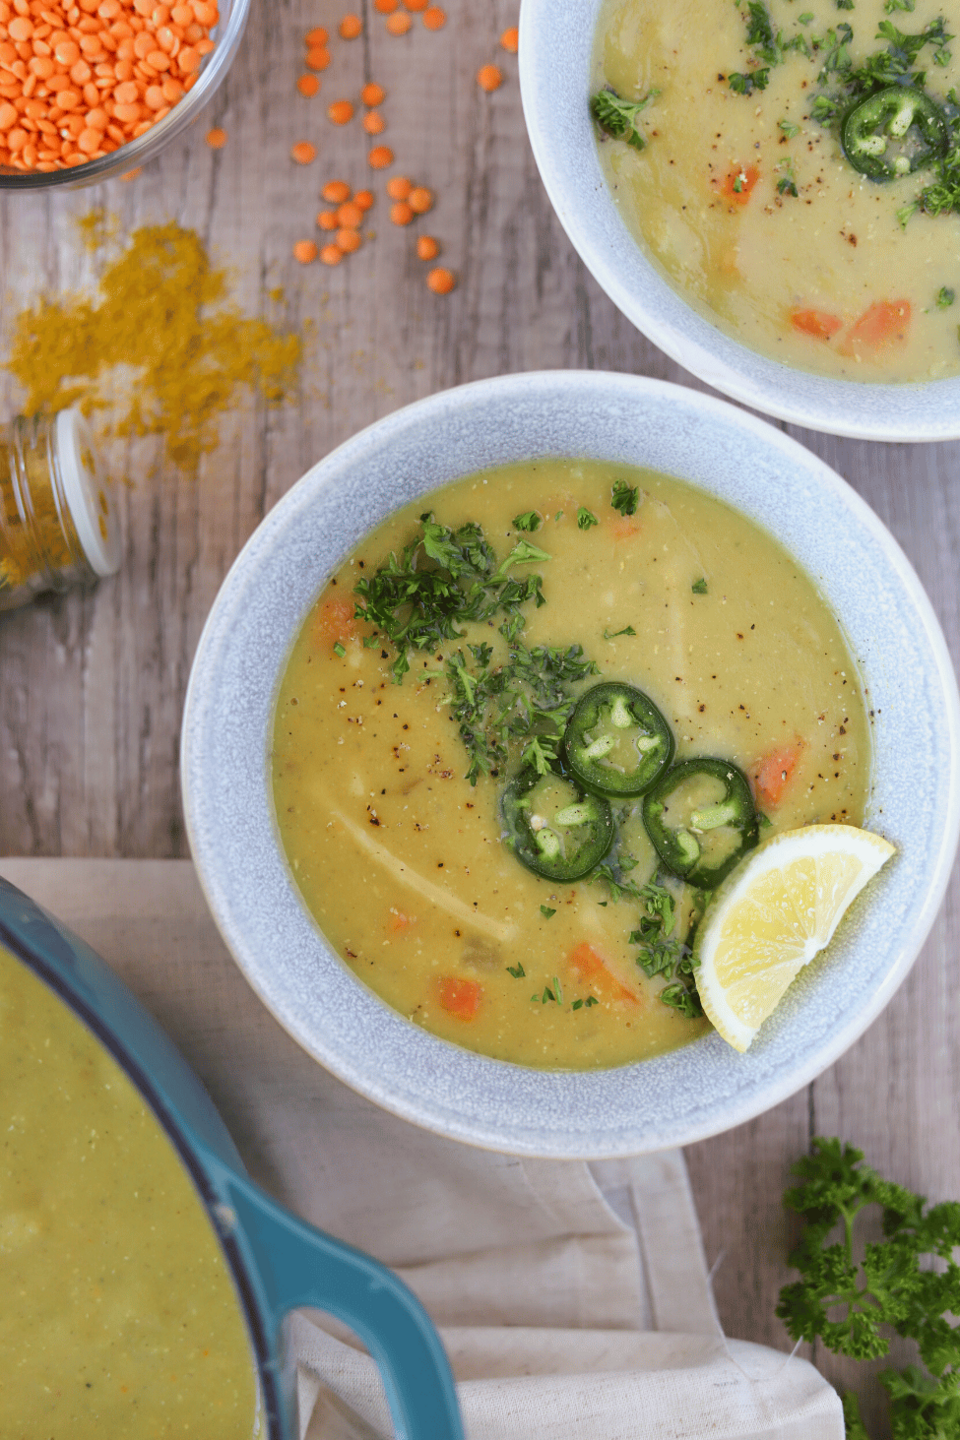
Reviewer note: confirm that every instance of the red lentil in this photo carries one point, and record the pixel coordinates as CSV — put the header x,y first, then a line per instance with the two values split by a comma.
x,y
441,281
489,78
336,191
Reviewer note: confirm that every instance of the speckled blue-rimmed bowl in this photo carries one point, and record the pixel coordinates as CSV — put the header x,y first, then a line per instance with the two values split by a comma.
x,y
894,636
556,46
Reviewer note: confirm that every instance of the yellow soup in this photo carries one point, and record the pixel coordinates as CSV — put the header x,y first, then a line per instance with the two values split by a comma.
x,y
745,192
118,1315
404,862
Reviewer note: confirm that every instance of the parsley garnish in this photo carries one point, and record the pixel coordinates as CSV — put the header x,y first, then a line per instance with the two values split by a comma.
x,y
527,699
517,971
768,47
699,587
444,579
612,634
529,520
618,117
660,953
339,650
744,83
945,297
786,186
893,1285
586,518
546,912
624,497
789,129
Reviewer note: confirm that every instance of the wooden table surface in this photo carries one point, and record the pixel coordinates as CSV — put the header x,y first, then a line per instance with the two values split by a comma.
x,y
92,684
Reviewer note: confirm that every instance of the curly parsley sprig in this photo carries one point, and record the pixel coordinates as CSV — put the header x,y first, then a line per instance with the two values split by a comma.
x,y
890,1288
618,117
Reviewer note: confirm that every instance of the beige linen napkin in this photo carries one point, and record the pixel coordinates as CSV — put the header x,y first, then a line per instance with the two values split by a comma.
x,y
573,1299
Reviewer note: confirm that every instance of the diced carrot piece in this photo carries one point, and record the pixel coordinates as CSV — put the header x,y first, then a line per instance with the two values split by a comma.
x,y
459,997
589,966
883,322
334,621
739,183
819,323
772,773
398,922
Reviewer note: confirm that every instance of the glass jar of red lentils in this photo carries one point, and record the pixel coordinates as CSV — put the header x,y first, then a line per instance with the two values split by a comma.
x,y
58,517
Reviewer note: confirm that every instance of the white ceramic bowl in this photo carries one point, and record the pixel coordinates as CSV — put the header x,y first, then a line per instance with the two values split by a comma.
x,y
556,45
893,634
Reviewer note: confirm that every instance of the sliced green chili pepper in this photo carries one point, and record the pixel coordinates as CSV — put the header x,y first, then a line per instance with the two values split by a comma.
x,y
616,741
554,827
701,819
894,132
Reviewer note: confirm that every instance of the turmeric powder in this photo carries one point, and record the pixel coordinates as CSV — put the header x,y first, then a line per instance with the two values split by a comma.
x,y
164,312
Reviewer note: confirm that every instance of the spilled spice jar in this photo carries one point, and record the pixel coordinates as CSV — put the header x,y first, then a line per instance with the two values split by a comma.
x,y
58,519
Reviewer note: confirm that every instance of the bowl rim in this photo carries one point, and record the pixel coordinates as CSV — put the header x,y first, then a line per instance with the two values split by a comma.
x,y
433,1074
555,52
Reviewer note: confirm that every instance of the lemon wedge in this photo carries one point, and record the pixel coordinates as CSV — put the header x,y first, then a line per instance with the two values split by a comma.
x,y
776,911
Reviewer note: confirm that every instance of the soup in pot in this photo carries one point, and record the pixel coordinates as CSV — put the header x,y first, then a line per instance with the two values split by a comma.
x,y
119,1316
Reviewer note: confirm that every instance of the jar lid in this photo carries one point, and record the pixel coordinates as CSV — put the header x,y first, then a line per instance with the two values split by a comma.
x,y
88,493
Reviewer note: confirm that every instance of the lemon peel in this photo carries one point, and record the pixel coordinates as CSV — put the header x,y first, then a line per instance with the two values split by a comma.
x,y
778,909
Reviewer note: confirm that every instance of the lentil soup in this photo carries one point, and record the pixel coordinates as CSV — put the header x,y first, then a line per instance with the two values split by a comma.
x,y
119,1315
395,802
795,171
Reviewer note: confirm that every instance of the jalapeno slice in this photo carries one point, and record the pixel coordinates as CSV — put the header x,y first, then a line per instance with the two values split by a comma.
x,y
894,132
616,742
554,828
700,817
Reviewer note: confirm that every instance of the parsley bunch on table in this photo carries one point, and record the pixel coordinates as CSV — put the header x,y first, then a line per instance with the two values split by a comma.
x,y
893,1286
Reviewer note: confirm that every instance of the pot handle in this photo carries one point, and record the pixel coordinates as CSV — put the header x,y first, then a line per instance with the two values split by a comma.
x,y
297,1264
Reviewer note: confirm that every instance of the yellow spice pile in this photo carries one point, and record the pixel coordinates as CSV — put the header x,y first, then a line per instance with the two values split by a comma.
x,y
163,313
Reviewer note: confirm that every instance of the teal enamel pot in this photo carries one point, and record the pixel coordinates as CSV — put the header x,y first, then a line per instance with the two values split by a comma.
x,y
277,1260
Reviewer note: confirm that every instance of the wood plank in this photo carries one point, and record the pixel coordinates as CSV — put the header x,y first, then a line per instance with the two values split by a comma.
x,y
92,685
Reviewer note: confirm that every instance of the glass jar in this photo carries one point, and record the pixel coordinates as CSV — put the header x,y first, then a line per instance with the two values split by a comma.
x,y
58,519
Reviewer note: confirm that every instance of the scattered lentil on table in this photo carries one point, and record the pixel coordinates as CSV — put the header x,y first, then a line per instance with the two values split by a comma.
x,y
489,78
